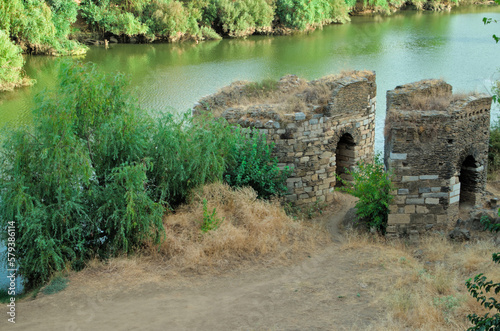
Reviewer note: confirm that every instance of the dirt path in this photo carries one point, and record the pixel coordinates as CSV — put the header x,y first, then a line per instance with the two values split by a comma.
x,y
334,289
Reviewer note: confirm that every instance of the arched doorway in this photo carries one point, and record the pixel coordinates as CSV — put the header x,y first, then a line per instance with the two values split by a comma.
x,y
345,157
469,181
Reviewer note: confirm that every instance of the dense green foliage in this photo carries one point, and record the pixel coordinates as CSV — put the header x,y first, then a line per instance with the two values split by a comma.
x,y
373,186
95,174
256,167
40,26
305,14
11,63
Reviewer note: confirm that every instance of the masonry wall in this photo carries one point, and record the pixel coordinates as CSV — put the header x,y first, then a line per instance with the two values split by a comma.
x,y
330,127
438,155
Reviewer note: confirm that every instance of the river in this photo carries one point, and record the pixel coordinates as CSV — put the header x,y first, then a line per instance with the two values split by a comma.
x,y
402,48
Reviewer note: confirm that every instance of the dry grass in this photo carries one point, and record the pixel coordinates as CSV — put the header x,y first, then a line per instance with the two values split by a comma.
x,y
290,94
252,232
427,290
435,102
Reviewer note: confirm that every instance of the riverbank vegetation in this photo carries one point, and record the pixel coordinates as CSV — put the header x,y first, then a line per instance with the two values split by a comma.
x,y
62,27
95,174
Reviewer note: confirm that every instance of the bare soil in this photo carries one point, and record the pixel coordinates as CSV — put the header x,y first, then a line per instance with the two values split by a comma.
x,y
335,288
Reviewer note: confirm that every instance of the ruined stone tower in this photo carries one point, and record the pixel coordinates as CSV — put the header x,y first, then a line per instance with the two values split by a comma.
x,y
436,145
320,128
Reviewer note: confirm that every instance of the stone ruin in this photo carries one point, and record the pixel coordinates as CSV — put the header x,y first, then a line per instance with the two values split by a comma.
x,y
436,144
320,128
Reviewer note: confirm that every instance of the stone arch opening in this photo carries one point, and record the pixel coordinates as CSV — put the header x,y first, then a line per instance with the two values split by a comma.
x,y
345,157
469,180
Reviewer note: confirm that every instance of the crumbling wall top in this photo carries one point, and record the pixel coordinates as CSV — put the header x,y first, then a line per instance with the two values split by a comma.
x,y
332,95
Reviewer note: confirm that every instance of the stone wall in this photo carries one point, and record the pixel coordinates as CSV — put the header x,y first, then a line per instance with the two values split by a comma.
x,y
436,145
319,127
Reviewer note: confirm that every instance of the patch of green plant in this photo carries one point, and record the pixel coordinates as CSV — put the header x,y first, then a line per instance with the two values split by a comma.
x,y
263,88
57,284
210,220
373,186
447,303
254,165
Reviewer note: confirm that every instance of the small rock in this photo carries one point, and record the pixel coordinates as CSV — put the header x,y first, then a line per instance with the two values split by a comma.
x,y
300,116
459,234
418,254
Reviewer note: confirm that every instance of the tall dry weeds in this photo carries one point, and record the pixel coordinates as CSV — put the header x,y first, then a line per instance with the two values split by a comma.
x,y
426,289
251,230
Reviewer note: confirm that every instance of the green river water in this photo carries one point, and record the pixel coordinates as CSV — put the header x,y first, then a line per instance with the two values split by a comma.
x,y
401,48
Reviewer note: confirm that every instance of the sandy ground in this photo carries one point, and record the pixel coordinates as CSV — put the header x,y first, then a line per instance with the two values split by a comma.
x,y
333,289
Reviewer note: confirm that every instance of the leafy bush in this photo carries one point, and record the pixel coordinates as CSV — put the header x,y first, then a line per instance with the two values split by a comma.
x,y
74,184
11,63
256,167
372,185
95,174
306,14
243,18
39,26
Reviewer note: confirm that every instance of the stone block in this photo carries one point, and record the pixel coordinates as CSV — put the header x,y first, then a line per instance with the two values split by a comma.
x,y
431,201
291,197
424,190
423,218
300,116
403,191
398,219
455,199
426,177
435,189
409,179
415,201
422,210
410,209
399,200
435,195
455,187
398,156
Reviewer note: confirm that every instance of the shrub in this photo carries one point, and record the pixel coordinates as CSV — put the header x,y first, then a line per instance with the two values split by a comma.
x,y
74,183
256,167
11,63
188,153
39,26
306,14
373,186
243,18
